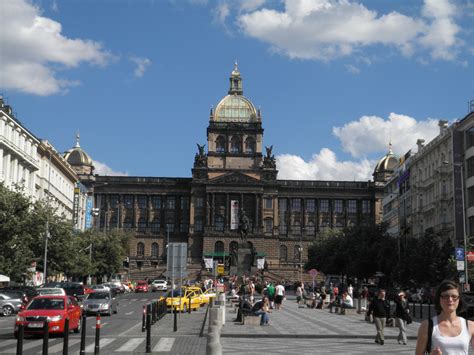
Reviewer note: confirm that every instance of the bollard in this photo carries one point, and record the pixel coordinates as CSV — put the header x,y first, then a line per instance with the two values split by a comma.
x,y
82,350
97,335
222,300
66,336
213,346
153,312
45,337
19,344
175,322
143,318
148,333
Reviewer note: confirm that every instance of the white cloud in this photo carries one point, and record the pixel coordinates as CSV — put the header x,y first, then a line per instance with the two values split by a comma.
x,y
33,48
329,29
221,12
323,166
141,65
103,169
372,134
250,5
352,69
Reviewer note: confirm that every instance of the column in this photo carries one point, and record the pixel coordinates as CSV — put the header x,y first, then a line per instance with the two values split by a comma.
x,y
227,212
213,209
257,224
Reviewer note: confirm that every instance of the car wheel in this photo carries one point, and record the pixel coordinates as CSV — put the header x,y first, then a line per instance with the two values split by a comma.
x,y
8,311
79,323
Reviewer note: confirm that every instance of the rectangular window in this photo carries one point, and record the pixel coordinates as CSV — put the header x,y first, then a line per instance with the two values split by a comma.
x,y
155,226
282,205
337,206
114,200
470,137
185,203
470,196
156,202
199,202
310,205
128,201
142,202
170,227
268,203
269,225
170,202
324,206
183,226
198,225
310,228
366,207
296,204
470,167
351,206
471,226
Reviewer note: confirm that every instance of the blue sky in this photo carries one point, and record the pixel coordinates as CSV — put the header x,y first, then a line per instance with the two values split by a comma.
x,y
336,80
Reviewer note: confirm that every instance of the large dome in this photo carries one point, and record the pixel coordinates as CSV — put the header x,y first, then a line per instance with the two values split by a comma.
x,y
386,166
235,108
76,156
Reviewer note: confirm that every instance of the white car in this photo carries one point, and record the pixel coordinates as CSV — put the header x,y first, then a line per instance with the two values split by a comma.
x,y
159,285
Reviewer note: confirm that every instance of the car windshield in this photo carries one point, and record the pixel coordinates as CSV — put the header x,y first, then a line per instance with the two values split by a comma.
x,y
98,296
49,292
47,303
175,293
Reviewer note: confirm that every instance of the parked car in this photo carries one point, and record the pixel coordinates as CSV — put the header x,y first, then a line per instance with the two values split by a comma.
x,y
51,291
142,286
101,302
113,287
74,289
28,291
179,299
9,305
208,294
159,285
16,294
99,288
54,309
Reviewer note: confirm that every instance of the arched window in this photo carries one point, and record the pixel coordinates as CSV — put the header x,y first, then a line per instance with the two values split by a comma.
x,y
220,144
142,224
219,223
250,145
283,253
268,225
235,145
154,250
233,246
140,249
219,247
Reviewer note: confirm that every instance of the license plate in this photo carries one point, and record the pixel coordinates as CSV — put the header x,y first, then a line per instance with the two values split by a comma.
x,y
35,325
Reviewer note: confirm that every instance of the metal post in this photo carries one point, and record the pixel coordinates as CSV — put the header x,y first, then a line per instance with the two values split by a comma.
x,y
66,336
83,335
175,322
97,335
148,333
421,309
143,319
45,337
45,271
19,344
429,309
466,273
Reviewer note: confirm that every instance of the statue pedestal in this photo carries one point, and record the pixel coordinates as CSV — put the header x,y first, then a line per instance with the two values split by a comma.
x,y
245,261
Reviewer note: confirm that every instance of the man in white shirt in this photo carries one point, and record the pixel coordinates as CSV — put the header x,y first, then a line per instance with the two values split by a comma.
x,y
279,295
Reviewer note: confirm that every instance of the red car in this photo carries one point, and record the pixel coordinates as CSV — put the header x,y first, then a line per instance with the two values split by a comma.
x,y
142,286
55,309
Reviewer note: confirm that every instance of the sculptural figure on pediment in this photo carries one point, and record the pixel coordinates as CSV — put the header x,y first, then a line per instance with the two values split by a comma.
x,y
200,159
269,160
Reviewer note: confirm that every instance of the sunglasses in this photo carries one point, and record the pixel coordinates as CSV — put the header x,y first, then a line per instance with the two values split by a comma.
x,y
447,297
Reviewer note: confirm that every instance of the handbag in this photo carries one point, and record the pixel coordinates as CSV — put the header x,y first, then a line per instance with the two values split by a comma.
x,y
409,319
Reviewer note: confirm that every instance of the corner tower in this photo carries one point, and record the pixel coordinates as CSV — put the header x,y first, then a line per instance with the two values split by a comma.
x,y
235,133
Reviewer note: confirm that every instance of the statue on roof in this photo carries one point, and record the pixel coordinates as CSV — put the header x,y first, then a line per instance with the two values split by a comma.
x,y
200,159
269,160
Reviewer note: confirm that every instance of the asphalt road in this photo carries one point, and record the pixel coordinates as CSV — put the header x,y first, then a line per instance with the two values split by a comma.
x,y
122,328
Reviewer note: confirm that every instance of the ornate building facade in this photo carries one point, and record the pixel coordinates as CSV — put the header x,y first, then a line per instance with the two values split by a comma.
x,y
234,174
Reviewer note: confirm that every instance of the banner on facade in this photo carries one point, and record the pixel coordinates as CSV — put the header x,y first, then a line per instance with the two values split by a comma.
x,y
89,212
208,263
76,207
260,263
234,214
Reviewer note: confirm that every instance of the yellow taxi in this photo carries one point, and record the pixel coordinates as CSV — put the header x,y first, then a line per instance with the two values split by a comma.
x,y
208,294
179,299
198,294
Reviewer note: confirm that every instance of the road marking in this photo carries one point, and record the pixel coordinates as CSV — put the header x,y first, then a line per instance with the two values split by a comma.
x,y
8,342
26,346
128,313
164,345
59,347
130,345
103,343
130,329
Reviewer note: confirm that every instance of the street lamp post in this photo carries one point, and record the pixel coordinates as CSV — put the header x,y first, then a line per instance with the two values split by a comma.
x,y
466,273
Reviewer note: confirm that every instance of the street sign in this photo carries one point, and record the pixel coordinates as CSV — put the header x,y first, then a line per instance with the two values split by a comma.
x,y
220,269
459,254
313,272
460,265
462,277
177,260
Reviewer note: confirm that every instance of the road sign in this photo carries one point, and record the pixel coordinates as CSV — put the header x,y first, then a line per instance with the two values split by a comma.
x,y
460,265
220,269
313,272
177,260
459,254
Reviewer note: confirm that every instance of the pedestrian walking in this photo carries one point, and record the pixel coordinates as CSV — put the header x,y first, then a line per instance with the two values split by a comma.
x,y
401,316
446,333
271,294
363,299
380,309
299,294
279,295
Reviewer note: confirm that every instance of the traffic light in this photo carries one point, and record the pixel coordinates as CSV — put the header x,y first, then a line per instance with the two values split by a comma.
x,y
95,212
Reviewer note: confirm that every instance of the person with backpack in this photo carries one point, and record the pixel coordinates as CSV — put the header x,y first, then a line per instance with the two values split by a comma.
x,y
380,309
446,333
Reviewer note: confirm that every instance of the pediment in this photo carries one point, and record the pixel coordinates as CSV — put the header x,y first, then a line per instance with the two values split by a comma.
x,y
235,178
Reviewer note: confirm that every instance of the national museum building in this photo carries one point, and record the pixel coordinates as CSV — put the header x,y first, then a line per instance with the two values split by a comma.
x,y
236,173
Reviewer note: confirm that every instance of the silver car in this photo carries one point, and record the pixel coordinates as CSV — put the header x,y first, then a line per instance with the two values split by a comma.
x,y
100,302
9,305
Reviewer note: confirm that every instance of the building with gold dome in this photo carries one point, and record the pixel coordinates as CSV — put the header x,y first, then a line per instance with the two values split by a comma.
x,y
236,172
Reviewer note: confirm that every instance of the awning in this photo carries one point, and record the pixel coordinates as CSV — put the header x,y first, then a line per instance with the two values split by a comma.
x,y
4,278
261,254
218,254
